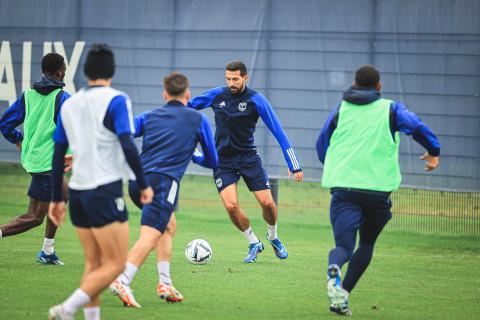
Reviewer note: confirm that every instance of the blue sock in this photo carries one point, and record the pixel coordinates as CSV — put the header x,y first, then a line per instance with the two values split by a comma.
x,y
344,246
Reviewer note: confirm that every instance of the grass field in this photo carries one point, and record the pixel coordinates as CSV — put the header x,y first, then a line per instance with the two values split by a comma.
x,y
412,275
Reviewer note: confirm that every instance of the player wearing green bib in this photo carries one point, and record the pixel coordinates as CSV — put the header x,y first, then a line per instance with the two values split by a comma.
x,y
37,110
358,146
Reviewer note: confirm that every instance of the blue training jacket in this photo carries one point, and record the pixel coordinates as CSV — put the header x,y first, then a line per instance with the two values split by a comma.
x,y
170,136
401,119
15,114
236,118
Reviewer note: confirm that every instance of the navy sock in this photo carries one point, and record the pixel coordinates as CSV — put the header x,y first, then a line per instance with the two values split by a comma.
x,y
344,246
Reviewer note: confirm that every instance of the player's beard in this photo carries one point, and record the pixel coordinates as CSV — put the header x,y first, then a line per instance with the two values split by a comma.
x,y
236,90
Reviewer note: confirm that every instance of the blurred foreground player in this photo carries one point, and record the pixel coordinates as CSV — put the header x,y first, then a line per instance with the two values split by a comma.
x,y
97,124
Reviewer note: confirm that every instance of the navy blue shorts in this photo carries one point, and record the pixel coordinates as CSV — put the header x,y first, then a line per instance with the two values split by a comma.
x,y
352,210
248,166
156,214
41,187
98,207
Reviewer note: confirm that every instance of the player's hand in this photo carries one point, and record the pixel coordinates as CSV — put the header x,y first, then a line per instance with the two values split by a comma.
x,y
146,195
56,212
19,145
298,176
68,163
431,162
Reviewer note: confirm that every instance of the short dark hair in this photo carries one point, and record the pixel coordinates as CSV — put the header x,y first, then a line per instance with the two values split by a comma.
x,y
52,62
237,65
367,76
175,84
100,62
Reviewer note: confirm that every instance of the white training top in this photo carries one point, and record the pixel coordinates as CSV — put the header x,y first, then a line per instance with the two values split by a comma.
x,y
97,153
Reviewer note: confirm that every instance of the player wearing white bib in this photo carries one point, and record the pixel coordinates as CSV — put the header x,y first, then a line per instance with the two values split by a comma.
x,y
97,124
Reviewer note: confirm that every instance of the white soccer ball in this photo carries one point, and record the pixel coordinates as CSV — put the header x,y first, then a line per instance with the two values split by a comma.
x,y
198,251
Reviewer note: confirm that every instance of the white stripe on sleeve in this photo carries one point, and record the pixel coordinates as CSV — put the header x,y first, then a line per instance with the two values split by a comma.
x,y
293,159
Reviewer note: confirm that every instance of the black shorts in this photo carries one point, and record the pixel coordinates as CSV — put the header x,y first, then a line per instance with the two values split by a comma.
x,y
248,166
98,207
41,187
157,214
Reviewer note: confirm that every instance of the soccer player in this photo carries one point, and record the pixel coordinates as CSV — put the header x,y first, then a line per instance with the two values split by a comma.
x,y
358,146
237,109
37,109
170,136
97,124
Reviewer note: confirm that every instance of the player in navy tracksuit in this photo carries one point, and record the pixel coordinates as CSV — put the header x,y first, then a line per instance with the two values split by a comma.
x,y
237,109
170,136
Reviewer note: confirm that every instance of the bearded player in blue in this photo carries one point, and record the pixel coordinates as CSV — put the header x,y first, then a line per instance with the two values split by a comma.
x,y
237,109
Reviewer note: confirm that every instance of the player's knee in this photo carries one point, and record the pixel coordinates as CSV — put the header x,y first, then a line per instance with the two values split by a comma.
x,y
269,205
232,207
116,265
116,268
149,243
171,228
92,265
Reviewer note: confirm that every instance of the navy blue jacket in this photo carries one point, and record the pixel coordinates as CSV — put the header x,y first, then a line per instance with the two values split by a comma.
x,y
170,136
236,118
401,119
15,114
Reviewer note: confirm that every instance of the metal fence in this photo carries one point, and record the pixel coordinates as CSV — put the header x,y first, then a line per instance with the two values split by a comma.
x,y
301,55
414,210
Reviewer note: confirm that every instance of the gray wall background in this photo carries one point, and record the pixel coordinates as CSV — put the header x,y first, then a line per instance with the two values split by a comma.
x,y
300,54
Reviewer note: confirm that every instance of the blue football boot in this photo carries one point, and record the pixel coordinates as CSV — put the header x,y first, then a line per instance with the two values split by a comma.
x,y
336,294
278,247
253,250
44,258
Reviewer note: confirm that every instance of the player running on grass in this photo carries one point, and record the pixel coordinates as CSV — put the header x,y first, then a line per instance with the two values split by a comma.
x,y
237,109
37,109
97,124
170,135
358,146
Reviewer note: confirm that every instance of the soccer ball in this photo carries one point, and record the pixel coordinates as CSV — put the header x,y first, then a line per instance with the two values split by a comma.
x,y
198,251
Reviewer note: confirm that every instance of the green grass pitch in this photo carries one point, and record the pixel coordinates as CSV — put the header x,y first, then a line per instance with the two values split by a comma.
x,y
412,276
